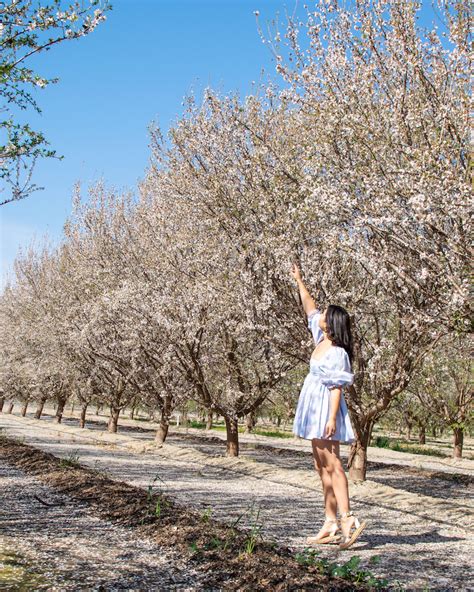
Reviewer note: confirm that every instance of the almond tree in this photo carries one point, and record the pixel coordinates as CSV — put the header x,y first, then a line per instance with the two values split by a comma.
x,y
445,386
39,317
21,348
215,189
233,206
124,330
407,411
383,108
32,321
263,191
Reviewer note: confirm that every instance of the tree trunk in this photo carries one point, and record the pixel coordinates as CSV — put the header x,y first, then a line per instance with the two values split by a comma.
x,y
72,407
10,408
2,401
232,428
278,421
458,442
162,430
209,420
60,410
82,417
357,462
433,431
24,408
250,421
113,420
39,409
132,413
422,434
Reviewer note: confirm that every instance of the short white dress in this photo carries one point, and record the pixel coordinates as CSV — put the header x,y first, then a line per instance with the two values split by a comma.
x,y
314,403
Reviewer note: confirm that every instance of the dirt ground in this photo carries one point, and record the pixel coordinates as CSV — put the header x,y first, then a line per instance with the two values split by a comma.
x,y
420,521
50,541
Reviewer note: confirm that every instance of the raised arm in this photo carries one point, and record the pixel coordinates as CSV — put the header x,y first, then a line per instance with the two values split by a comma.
x,y
306,300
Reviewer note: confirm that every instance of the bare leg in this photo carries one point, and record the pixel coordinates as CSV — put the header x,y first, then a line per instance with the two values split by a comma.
x,y
330,503
327,451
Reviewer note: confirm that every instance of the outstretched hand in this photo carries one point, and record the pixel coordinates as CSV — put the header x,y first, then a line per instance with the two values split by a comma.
x,y
295,272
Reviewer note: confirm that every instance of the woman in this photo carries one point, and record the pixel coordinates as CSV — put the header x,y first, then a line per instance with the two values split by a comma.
x,y
322,416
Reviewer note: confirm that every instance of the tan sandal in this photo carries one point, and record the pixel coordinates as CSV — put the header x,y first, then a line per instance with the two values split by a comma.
x,y
332,537
359,527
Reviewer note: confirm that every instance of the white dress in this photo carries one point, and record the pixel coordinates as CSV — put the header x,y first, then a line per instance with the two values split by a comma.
x,y
313,409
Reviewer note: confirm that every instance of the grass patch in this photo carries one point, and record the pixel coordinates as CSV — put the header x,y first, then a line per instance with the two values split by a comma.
x,y
222,428
199,425
403,446
17,574
273,433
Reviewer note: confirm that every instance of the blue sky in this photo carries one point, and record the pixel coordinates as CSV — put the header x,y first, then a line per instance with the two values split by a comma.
x,y
134,68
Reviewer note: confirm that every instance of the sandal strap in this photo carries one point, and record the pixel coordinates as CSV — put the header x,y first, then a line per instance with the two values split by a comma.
x,y
331,520
347,514
351,514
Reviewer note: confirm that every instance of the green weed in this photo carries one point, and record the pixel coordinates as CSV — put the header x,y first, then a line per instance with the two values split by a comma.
x,y
206,514
255,532
154,508
350,570
194,547
72,460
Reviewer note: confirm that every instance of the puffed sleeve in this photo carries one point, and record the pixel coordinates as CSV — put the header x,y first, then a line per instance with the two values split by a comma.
x,y
336,371
313,324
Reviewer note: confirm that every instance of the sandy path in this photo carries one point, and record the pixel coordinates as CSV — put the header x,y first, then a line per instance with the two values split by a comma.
x,y
423,539
462,466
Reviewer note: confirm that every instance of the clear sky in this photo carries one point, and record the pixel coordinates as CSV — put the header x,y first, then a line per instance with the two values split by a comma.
x,y
134,68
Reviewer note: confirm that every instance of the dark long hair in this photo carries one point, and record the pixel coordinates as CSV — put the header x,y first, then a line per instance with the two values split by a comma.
x,y
339,328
